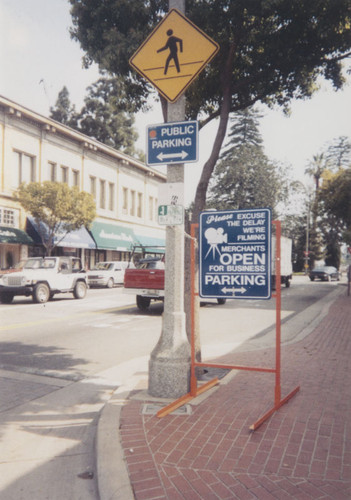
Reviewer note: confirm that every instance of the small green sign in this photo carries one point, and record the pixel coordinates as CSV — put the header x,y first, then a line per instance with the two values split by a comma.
x,y
170,215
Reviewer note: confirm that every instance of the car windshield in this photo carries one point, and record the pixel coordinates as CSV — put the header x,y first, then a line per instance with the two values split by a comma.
x,y
103,266
153,264
36,263
31,263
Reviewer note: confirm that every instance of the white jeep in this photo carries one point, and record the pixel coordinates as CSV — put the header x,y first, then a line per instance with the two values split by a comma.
x,y
43,277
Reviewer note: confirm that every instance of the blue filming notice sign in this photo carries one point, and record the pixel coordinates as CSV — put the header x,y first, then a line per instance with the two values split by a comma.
x,y
235,254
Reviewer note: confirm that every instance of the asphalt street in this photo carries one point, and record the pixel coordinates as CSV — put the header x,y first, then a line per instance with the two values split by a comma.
x,y
51,399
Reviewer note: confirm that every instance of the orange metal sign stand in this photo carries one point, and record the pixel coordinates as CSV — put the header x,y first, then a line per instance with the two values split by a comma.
x,y
194,389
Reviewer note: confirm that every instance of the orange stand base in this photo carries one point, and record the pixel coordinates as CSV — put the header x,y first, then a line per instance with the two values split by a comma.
x,y
194,389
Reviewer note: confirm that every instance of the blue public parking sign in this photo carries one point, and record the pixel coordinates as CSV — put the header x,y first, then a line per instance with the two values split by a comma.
x,y
235,254
174,142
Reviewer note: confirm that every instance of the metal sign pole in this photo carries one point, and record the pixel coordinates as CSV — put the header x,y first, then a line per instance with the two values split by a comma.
x,y
169,367
193,381
278,309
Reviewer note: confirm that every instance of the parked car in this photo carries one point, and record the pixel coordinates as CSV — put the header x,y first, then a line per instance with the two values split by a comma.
x,y
107,274
42,278
324,273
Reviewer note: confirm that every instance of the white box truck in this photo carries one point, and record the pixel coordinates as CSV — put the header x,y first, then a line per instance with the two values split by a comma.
x,y
285,261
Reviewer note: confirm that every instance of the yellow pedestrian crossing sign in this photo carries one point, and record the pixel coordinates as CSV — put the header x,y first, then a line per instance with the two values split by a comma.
x,y
173,55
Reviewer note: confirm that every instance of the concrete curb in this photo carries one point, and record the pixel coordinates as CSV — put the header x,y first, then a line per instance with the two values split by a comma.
x,y
112,475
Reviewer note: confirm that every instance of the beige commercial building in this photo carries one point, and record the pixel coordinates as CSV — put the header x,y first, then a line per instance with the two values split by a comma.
x,y
36,148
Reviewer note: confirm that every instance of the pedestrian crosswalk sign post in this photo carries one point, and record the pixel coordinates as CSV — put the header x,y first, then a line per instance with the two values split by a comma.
x,y
171,204
173,55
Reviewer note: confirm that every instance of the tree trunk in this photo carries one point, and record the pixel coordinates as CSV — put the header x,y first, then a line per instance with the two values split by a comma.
x,y
201,190
200,203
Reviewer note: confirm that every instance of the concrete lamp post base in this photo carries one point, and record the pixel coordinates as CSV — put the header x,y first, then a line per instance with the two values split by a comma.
x,y
169,366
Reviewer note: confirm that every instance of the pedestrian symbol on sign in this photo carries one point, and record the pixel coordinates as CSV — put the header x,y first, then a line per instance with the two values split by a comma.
x,y
173,50
169,75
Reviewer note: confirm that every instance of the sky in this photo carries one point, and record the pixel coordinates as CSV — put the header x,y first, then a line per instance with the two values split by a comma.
x,y
38,58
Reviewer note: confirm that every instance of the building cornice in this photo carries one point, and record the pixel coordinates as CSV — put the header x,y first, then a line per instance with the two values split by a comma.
x,y
50,125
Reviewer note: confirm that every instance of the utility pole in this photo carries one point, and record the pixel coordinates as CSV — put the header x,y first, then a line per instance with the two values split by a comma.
x,y
169,366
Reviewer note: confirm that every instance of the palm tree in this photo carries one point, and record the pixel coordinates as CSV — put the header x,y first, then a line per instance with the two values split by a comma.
x,y
316,167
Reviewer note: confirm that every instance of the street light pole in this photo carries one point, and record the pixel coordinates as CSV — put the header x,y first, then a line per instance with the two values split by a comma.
x,y
307,234
306,258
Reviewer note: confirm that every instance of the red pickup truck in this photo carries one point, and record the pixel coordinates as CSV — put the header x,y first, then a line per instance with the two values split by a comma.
x,y
146,281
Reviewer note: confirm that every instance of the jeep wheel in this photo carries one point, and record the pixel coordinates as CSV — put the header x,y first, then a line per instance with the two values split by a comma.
x,y
143,302
41,293
6,297
110,283
80,290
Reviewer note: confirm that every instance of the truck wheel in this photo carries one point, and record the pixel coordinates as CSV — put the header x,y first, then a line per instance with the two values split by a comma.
x,y
6,297
143,302
41,293
287,283
80,290
221,301
110,283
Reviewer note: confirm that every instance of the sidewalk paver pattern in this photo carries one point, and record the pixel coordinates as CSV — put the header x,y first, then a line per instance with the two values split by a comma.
x,y
302,452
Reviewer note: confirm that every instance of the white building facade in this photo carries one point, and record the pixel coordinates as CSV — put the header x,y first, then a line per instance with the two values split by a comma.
x,y
34,148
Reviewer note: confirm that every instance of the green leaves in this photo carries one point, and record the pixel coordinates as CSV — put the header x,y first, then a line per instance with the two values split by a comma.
x,y
107,114
270,51
57,206
244,177
335,194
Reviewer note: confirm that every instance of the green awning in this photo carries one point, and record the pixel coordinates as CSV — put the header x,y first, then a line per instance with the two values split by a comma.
x,y
113,237
14,235
151,244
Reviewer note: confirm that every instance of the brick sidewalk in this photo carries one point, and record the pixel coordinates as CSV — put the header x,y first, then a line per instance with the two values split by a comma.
x,y
302,452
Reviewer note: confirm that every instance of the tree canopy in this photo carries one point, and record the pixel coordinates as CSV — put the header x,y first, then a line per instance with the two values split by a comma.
x,y
244,177
64,111
107,114
56,208
338,153
329,207
336,199
270,51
